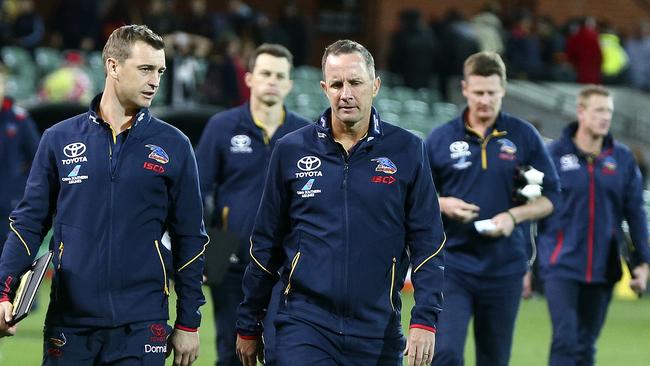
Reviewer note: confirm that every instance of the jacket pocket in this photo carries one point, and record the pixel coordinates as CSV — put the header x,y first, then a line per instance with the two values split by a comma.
x,y
294,263
78,282
164,269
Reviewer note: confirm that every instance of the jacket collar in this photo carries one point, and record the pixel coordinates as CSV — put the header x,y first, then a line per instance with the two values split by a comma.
x,y
142,118
375,129
569,132
461,127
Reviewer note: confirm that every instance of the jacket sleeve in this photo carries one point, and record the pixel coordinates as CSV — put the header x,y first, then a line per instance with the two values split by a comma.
x,y
635,213
188,240
425,237
540,159
266,253
31,219
208,159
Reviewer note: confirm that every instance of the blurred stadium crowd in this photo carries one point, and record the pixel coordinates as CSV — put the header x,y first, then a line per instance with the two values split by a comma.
x,y
59,59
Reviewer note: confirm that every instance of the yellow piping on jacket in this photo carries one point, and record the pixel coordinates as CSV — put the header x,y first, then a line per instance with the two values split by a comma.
x,y
432,255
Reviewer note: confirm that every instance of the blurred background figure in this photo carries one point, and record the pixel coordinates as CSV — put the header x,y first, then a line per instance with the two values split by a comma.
x,y
414,51
28,29
584,52
18,143
69,83
580,242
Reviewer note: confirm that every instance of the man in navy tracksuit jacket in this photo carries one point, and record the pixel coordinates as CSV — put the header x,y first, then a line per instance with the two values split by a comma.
x,y
579,243
110,191
18,143
233,156
474,159
348,205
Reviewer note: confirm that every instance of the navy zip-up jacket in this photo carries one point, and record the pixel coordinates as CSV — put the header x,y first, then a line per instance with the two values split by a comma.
x,y
481,171
344,229
108,214
580,239
18,143
233,156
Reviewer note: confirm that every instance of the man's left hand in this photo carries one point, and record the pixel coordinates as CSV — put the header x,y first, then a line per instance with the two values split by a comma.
x,y
420,346
185,346
639,279
504,225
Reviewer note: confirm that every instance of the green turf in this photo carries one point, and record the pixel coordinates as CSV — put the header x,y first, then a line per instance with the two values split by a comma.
x,y
625,340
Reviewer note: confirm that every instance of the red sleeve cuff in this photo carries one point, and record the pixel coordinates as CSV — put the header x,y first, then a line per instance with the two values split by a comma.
x,y
421,326
247,337
186,329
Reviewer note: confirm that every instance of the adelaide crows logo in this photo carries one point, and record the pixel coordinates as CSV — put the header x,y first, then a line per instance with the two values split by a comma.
x,y
385,165
158,154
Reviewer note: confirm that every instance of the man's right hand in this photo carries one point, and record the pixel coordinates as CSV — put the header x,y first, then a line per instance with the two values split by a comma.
x,y
457,209
248,350
6,311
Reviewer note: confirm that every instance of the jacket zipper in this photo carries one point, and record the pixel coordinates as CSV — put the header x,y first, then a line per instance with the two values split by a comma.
x,y
346,168
224,218
162,264
60,255
592,217
294,263
110,224
484,143
392,284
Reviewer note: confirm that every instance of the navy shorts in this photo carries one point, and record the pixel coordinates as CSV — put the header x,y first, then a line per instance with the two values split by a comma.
x,y
135,344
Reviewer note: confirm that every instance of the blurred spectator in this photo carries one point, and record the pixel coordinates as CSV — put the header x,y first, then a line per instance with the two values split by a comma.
x,y
241,18
413,51
69,83
523,50
584,53
161,18
554,59
5,25
114,14
615,60
200,20
220,86
638,50
458,40
28,28
488,30
74,24
184,51
294,24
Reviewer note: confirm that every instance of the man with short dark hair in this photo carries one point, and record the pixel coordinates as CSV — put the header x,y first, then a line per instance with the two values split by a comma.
x,y
474,158
233,156
579,243
348,206
110,182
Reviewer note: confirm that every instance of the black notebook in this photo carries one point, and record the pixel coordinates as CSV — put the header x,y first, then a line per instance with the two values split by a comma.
x,y
29,284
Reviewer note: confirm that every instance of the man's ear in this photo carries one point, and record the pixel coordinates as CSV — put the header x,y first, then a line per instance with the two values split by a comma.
x,y
112,67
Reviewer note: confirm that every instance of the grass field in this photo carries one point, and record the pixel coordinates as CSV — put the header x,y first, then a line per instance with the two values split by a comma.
x,y
625,341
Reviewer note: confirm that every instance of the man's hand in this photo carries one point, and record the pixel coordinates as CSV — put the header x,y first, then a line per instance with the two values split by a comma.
x,y
527,286
185,346
6,309
457,209
248,350
419,347
504,225
639,279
